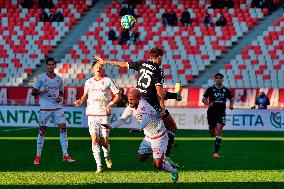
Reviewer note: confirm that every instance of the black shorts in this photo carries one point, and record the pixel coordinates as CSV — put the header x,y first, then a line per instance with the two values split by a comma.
x,y
213,119
157,107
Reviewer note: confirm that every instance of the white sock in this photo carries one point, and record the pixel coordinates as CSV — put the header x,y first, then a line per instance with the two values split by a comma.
x,y
106,150
64,143
39,145
96,152
167,167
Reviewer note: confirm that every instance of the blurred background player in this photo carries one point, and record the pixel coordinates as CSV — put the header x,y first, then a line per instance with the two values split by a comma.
x,y
49,87
262,101
97,94
155,140
150,84
123,99
216,115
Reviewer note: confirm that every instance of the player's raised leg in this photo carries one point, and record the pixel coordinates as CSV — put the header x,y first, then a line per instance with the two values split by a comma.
x,y
176,94
106,149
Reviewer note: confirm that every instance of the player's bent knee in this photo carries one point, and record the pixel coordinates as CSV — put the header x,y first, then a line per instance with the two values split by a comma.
x,y
42,130
142,157
62,127
158,165
104,141
212,133
104,144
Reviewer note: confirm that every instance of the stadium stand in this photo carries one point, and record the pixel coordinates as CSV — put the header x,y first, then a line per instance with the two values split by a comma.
x,y
24,41
189,50
261,63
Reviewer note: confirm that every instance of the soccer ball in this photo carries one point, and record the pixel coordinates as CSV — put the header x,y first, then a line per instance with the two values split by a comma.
x,y
128,22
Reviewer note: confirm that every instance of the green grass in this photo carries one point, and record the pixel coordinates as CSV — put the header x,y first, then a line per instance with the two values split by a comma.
x,y
248,160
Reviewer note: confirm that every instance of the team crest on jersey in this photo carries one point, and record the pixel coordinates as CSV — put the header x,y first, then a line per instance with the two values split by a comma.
x,y
143,109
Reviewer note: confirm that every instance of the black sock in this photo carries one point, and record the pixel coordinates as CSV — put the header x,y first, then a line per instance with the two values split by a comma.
x,y
218,143
171,136
170,95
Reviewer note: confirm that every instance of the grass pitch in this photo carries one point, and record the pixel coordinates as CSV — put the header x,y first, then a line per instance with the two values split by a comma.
x,y
248,160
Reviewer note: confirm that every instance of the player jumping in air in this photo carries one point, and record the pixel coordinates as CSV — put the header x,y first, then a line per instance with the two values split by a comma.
x,y
150,84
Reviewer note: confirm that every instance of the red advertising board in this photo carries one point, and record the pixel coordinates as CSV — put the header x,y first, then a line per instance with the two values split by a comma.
x,y
244,98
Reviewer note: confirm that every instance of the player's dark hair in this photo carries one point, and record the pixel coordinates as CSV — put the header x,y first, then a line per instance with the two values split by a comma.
x,y
156,52
219,75
94,62
49,59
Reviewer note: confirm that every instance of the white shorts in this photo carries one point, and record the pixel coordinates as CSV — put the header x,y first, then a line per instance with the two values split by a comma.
x,y
53,117
94,123
156,146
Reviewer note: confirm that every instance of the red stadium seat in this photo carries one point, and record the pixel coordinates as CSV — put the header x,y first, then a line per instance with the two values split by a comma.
x,y
254,62
66,66
266,77
259,72
168,76
242,67
228,66
28,70
189,77
2,75
122,70
166,66
4,65
80,76
238,77
277,67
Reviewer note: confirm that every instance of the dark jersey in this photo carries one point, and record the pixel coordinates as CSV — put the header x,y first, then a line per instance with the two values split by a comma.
x,y
218,97
149,76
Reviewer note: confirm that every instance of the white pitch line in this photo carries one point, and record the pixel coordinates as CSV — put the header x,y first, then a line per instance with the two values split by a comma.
x,y
7,130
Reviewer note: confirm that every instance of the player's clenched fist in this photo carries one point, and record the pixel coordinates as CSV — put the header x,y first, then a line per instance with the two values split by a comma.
x,y
59,99
98,59
78,102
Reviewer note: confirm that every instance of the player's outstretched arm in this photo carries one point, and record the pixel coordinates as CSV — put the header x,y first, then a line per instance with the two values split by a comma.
x,y
126,114
81,101
111,62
